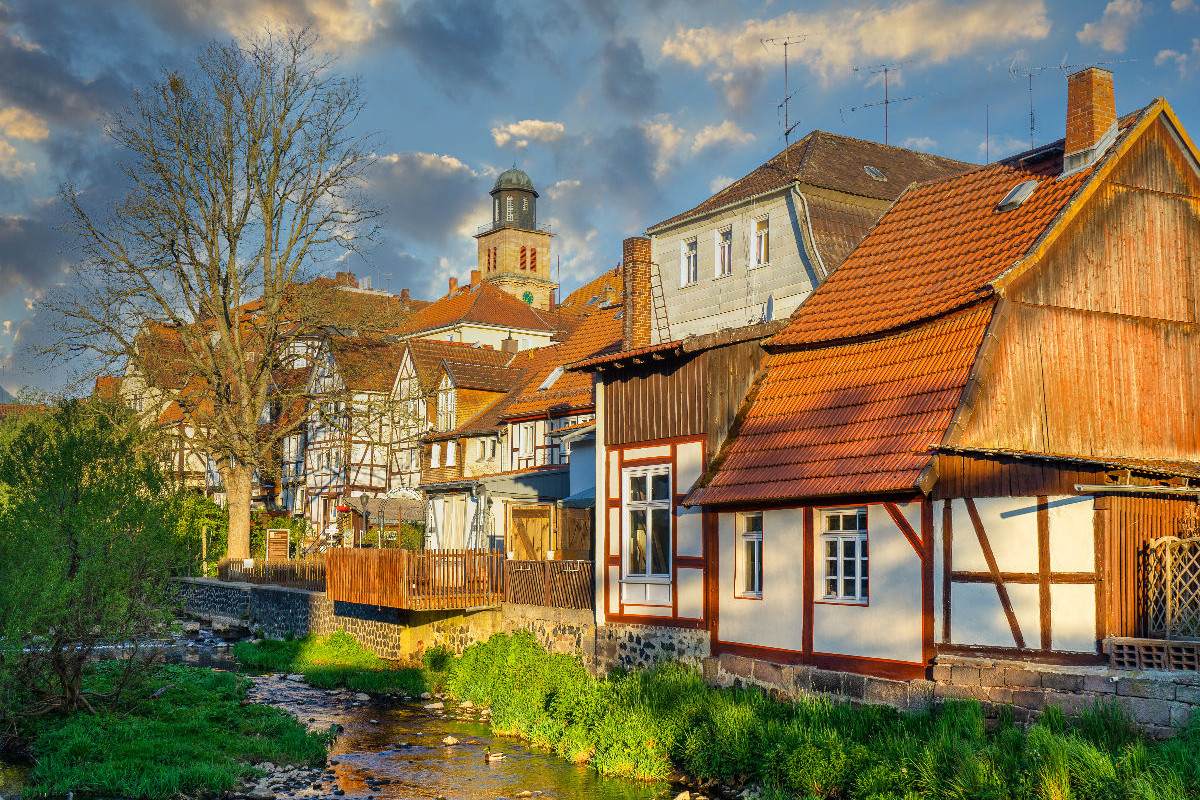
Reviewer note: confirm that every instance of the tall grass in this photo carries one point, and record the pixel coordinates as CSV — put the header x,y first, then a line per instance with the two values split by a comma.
x,y
331,661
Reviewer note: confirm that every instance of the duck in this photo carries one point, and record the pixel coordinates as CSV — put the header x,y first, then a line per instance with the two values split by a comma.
x,y
488,755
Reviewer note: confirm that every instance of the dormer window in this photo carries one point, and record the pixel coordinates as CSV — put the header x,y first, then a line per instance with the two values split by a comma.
x,y
1017,195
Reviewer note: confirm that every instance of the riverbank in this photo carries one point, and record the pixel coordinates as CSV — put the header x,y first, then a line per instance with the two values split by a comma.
x,y
172,731
666,722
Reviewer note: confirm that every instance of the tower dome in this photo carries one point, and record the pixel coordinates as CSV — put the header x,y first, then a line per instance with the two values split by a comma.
x,y
514,179
514,200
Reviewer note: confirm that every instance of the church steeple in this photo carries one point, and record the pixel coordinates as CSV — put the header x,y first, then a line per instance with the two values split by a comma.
x,y
514,251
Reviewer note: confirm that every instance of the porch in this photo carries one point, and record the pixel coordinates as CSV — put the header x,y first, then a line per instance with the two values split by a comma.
x,y
415,580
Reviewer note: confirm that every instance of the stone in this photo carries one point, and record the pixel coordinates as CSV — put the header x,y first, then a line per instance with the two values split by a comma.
x,y
449,741
684,795
964,675
466,704
1019,676
1000,694
362,697
524,793
425,695
1146,688
1188,694
736,665
438,706
1062,682
296,678
892,693
1099,684
1030,699
770,674
1150,712
1181,713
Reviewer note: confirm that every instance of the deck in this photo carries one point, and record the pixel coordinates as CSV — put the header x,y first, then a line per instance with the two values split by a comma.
x,y
415,580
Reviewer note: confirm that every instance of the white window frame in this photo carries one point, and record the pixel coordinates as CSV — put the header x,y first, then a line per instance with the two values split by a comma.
x,y
509,210
649,505
723,252
760,253
834,567
451,453
482,450
749,571
525,435
689,262
435,456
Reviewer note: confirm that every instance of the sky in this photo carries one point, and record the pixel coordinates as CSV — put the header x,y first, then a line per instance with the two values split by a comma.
x,y
623,112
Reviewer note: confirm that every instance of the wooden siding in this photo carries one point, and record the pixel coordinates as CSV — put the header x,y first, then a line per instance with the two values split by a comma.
x,y
555,584
688,395
419,580
1125,523
1001,476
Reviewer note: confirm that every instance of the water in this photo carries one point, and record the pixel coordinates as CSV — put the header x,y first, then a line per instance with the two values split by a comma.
x,y
401,754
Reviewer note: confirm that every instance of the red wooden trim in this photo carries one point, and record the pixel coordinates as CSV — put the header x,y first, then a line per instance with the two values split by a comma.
x,y
947,559
1043,545
612,561
661,622
966,576
712,573
691,562
646,462
927,580
1043,656
860,665
988,556
809,544
906,529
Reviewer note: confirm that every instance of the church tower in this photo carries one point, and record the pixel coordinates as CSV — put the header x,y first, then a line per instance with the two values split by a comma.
x,y
514,252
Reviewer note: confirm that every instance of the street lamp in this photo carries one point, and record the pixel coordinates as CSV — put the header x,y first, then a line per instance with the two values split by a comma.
x,y
363,500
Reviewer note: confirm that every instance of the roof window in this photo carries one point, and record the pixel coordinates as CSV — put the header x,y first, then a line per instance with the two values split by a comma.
x,y
1017,195
875,172
592,300
554,375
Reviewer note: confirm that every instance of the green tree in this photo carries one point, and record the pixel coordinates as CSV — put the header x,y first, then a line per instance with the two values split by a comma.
x,y
87,547
200,526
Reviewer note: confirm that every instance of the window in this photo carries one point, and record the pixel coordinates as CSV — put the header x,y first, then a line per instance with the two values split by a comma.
x,y
497,209
533,259
724,257
762,243
647,516
749,554
482,450
525,438
451,453
522,258
446,408
688,263
493,448
435,456
525,204
508,209
844,549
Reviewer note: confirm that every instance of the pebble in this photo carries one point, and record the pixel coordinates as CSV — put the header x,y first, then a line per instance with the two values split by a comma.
x,y
684,795
466,704
296,677
362,698
435,706
449,741
425,695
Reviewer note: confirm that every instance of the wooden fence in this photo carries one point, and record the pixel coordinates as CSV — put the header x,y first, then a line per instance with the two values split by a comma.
x,y
419,580
307,573
558,584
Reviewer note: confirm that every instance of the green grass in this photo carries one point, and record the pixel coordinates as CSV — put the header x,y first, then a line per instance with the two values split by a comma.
x,y
198,736
332,661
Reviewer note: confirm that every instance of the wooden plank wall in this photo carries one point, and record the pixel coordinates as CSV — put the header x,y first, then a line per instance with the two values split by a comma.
x,y
999,476
1126,523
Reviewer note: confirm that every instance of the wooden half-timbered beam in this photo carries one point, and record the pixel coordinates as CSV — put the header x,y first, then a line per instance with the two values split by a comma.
x,y
997,578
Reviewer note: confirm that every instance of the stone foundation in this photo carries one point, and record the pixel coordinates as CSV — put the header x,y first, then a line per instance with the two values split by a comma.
x,y
640,646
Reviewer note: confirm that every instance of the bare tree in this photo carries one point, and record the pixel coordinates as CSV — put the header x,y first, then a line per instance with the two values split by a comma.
x,y
243,172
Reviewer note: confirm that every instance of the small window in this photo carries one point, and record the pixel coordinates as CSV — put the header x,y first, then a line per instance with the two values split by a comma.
x,y
510,215
875,172
1017,195
749,554
688,272
494,443
451,453
435,456
522,258
525,204
482,450
762,243
554,375
647,516
724,257
844,552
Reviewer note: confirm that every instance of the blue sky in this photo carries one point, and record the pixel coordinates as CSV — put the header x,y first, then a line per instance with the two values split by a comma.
x,y
622,112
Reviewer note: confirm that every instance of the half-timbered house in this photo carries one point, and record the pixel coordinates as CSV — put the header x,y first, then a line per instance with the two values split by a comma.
x,y
965,438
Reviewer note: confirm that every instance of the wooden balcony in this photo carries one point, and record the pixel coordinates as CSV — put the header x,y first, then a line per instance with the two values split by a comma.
x,y
306,573
415,580
557,584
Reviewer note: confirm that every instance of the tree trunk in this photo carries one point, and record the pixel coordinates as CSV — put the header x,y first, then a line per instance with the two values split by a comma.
x,y
237,497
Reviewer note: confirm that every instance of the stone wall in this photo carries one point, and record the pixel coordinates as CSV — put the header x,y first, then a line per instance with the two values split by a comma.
x,y
640,646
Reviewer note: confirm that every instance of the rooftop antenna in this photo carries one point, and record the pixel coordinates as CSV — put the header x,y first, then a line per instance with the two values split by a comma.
x,y
788,127
884,70
1028,73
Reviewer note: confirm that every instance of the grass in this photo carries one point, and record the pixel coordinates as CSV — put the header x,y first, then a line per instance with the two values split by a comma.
x,y
332,661
197,736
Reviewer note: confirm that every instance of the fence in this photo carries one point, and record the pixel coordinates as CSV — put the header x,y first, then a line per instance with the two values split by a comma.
x,y
1173,587
418,580
307,573
558,584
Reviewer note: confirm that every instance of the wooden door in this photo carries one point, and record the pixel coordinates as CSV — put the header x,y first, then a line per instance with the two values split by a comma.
x,y
530,532
575,534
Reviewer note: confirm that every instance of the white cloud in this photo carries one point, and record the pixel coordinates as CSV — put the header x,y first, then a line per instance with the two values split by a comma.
x,y
923,143
10,165
1001,146
340,22
21,124
718,183
528,130
666,137
1113,27
933,30
560,189
1185,62
1182,5
727,132
427,163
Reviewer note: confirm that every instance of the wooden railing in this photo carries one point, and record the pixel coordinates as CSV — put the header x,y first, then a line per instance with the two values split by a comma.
x,y
306,573
558,584
418,580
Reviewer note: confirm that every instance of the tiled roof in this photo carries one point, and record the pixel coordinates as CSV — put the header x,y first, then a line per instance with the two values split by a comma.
x,y
481,303
832,162
848,419
17,409
107,388
428,356
605,287
938,248
487,377
366,364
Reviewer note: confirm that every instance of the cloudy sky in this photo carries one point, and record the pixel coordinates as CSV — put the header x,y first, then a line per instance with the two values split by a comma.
x,y
623,112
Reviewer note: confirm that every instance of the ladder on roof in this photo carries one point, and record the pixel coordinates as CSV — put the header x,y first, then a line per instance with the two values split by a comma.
x,y
658,303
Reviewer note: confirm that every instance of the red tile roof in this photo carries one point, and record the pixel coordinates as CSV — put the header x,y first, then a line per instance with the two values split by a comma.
x,y
107,388
481,303
366,364
832,162
847,419
605,287
486,377
428,356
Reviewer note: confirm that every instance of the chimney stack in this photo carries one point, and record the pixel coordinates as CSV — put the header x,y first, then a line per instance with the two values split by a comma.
x,y
404,296
476,275
1091,118
635,280
453,286
509,345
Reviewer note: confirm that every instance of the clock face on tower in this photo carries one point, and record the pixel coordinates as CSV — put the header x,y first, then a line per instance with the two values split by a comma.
x,y
528,298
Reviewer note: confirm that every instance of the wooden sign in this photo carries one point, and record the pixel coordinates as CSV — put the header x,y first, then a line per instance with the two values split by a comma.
x,y
277,543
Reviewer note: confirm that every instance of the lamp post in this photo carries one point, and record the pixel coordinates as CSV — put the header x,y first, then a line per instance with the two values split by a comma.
x,y
363,500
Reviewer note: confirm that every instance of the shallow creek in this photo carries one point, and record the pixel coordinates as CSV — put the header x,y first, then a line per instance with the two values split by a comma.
x,y
390,749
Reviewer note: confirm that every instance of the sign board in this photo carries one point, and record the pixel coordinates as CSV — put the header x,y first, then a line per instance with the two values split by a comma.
x,y
277,543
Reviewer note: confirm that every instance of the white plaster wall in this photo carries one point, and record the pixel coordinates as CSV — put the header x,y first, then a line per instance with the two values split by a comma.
x,y
1073,617
633,454
478,334
689,464
1011,526
714,303
977,618
1072,534
777,620
689,532
889,626
689,584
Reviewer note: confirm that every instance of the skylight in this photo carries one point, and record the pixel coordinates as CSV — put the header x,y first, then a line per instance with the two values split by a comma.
x,y
875,172
554,375
1017,195
592,300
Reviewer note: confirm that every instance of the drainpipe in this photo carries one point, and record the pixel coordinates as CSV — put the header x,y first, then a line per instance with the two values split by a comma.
x,y
824,273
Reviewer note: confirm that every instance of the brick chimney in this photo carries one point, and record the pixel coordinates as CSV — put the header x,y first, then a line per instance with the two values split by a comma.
x,y
1091,118
635,277
476,275
404,296
453,285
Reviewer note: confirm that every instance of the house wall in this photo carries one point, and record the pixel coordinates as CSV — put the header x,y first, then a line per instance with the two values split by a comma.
x,y
493,336
742,297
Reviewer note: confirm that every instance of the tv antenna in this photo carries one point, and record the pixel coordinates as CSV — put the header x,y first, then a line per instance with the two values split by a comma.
x,y
788,127
1028,72
884,70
